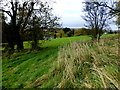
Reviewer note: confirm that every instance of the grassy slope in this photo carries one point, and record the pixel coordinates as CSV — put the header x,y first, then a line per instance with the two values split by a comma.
x,y
36,68
24,68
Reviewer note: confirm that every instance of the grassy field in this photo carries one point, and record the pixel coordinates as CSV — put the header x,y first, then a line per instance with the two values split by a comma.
x,y
51,66
57,42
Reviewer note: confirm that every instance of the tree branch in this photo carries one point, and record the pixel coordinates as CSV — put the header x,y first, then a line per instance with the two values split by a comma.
x,y
8,12
105,5
29,13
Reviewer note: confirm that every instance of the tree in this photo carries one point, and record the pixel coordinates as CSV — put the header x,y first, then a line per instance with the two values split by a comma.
x,y
113,6
96,18
66,29
41,19
4,28
35,31
21,13
61,33
55,36
118,8
18,25
47,19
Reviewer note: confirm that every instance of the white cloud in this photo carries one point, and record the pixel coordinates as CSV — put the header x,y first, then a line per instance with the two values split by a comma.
x,y
65,6
70,11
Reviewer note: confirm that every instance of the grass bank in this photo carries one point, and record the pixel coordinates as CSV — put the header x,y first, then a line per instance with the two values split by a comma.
x,y
54,65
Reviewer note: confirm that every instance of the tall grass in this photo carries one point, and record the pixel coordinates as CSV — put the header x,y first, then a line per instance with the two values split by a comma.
x,y
89,64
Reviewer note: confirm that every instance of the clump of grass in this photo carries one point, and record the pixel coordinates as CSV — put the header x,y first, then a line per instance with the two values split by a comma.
x,y
89,64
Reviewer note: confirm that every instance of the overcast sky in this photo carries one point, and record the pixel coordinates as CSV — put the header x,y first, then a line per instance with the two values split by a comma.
x,y
70,12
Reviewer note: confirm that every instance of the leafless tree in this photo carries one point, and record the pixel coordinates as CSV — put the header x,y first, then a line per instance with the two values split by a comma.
x,y
97,19
113,6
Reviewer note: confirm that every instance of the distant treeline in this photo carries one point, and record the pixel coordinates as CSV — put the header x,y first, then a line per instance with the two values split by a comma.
x,y
54,33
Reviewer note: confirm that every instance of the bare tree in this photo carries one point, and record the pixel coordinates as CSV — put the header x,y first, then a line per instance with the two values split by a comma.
x,y
113,6
96,18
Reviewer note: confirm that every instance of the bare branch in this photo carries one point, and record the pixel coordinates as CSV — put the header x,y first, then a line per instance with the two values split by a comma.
x,y
8,12
111,8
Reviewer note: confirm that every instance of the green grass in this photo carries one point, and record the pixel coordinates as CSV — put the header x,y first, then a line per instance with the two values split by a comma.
x,y
28,69
23,68
53,43
58,42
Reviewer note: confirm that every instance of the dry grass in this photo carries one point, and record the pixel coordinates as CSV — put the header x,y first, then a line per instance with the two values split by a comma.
x,y
89,64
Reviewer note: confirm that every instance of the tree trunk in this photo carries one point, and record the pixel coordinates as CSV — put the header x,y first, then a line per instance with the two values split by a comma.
x,y
35,40
10,38
20,44
99,37
19,41
11,45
